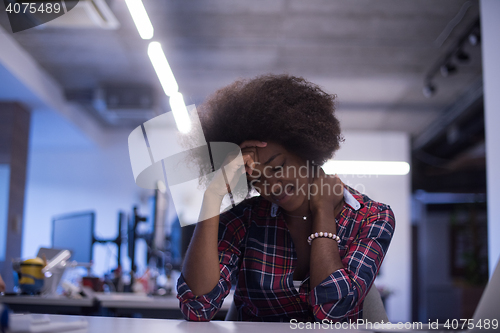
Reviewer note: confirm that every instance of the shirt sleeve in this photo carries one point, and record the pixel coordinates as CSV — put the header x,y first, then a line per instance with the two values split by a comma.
x,y
337,296
205,307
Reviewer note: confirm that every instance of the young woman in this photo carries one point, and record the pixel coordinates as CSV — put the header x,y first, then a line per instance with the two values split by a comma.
x,y
304,226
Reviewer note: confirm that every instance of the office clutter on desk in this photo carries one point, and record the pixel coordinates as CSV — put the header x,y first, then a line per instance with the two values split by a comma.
x,y
43,273
30,274
152,243
76,232
54,270
163,256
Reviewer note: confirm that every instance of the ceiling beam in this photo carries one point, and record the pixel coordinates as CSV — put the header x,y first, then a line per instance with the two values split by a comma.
x,y
24,81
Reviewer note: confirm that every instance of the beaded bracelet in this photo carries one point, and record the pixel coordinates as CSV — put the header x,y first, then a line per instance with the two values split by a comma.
x,y
323,234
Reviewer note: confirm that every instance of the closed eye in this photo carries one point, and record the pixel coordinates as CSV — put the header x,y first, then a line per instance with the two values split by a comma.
x,y
279,167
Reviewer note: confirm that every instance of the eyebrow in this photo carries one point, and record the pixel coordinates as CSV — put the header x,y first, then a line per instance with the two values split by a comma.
x,y
272,158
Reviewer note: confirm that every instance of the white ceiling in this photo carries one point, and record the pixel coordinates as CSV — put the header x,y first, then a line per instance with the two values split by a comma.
x,y
373,54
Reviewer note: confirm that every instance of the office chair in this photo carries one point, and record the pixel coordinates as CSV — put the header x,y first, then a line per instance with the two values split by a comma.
x,y
373,307
232,313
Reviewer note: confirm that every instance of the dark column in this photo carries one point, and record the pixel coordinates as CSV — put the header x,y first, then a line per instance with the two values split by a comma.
x,y
14,136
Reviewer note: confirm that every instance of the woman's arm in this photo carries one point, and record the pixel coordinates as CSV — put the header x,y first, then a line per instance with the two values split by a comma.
x,y
325,205
337,285
213,253
203,307
325,256
201,265
338,295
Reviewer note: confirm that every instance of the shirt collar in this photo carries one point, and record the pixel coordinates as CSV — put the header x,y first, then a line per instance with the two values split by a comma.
x,y
354,202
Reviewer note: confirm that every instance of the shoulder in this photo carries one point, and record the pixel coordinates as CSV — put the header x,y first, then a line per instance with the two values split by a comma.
x,y
373,210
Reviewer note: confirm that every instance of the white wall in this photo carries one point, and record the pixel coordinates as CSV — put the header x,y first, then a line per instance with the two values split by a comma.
x,y
67,173
396,192
490,26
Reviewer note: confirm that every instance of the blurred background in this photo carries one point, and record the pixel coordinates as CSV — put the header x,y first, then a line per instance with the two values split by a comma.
x,y
408,77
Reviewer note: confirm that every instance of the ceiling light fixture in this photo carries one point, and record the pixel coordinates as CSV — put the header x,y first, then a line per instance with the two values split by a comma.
x,y
456,51
170,86
181,115
448,69
388,168
429,90
462,56
141,18
162,68
474,39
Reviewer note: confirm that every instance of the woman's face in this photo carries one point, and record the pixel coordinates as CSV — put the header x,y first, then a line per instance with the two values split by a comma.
x,y
281,177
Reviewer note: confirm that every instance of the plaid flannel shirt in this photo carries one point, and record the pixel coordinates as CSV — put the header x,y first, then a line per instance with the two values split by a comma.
x,y
257,253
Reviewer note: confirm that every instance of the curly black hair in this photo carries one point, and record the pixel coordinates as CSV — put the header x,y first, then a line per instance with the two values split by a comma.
x,y
284,109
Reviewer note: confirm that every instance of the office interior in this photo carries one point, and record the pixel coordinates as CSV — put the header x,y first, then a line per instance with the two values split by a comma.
x,y
416,82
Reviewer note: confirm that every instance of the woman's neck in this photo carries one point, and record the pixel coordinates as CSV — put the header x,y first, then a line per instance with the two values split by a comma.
x,y
300,212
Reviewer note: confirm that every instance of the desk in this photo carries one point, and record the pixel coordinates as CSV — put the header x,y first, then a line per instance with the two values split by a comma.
x,y
136,325
165,307
50,304
112,304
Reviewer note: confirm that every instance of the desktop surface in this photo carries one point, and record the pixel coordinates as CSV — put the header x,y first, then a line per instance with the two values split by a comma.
x,y
105,304
141,325
124,300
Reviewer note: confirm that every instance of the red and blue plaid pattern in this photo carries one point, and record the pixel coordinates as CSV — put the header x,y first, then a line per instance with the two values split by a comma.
x,y
257,254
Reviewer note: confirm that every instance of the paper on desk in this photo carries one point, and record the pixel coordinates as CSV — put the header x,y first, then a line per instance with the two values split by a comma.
x,y
40,324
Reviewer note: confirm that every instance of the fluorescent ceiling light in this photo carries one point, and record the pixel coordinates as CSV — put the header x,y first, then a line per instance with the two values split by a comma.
x,y
141,18
162,68
180,112
366,167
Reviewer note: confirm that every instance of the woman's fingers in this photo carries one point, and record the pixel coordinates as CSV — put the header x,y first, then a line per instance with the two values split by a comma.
x,y
229,174
249,163
249,152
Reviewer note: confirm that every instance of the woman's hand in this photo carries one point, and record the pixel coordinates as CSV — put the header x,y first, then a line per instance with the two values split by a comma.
x,y
326,192
233,167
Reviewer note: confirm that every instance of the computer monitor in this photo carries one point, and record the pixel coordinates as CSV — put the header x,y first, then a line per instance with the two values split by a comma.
x,y
74,232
